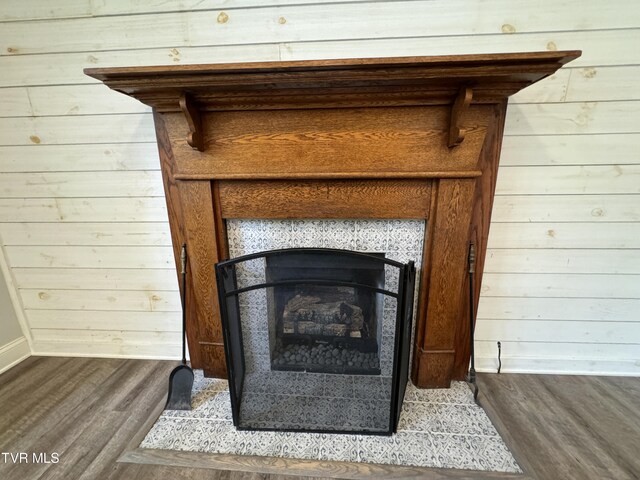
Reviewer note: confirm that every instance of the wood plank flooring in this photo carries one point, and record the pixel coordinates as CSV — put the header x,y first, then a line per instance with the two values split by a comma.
x,y
92,411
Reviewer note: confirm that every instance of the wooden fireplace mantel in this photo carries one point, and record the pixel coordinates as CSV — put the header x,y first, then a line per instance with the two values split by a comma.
x,y
409,137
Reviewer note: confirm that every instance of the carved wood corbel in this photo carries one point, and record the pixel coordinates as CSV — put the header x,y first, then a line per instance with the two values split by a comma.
x,y
460,106
195,138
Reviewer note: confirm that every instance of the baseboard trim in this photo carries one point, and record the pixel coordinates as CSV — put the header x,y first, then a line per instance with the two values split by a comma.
x,y
13,353
561,366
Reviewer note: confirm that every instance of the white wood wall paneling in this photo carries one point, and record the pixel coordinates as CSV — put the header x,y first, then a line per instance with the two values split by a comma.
x,y
120,234
77,129
91,257
89,337
566,208
578,309
585,261
561,331
596,46
88,157
66,100
104,320
119,209
602,149
312,22
565,235
44,9
123,7
572,118
66,68
576,180
113,300
96,279
549,285
41,9
81,184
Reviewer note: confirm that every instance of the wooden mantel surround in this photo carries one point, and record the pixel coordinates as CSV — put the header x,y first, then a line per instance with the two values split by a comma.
x,y
408,137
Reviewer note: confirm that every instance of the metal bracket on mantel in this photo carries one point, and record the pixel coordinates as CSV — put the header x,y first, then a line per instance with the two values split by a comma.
x,y
195,138
460,106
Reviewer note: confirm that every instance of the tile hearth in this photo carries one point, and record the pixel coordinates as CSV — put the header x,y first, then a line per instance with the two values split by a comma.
x,y
441,428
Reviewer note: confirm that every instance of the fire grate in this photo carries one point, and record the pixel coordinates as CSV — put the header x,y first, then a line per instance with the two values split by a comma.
x,y
316,340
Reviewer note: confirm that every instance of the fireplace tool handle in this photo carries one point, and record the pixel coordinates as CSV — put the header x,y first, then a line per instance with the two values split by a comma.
x,y
471,378
183,272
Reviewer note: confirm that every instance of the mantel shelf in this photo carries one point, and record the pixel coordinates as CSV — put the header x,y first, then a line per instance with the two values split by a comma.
x,y
334,83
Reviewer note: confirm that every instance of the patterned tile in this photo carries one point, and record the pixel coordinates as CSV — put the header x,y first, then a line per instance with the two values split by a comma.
x,y
315,446
466,419
473,452
277,234
443,429
372,235
338,234
459,393
406,234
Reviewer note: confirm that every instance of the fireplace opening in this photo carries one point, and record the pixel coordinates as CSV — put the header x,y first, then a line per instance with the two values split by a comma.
x,y
323,327
316,339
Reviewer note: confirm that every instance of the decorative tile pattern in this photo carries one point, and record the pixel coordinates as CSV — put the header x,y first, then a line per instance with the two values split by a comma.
x,y
441,428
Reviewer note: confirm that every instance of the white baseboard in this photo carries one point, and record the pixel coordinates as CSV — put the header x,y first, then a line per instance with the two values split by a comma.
x,y
13,353
561,366
145,351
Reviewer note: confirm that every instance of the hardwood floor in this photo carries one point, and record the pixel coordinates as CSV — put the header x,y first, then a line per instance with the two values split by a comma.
x,y
91,411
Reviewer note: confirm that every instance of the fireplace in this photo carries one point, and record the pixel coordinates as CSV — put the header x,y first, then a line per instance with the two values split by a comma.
x,y
316,339
377,138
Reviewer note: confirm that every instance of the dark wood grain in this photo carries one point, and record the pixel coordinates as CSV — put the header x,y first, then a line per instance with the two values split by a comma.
x,y
174,210
480,223
202,253
447,271
325,199
351,138
459,108
404,141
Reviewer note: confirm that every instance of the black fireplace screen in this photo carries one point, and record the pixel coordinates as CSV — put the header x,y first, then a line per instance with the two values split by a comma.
x,y
316,339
